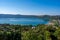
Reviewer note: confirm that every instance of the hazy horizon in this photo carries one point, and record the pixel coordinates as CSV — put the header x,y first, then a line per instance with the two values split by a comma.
x,y
30,7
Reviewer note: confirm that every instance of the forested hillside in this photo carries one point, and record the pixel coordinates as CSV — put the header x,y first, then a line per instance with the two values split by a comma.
x,y
27,32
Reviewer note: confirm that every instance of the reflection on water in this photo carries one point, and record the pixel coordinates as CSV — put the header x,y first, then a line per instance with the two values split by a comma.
x,y
32,21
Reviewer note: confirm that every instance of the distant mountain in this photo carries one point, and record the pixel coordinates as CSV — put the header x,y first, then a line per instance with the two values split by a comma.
x,y
29,16
15,16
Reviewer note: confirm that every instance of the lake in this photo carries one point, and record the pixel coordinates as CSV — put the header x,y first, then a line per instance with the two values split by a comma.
x,y
23,21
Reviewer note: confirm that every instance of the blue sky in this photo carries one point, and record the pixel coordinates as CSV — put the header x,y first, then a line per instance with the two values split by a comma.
x,y
30,7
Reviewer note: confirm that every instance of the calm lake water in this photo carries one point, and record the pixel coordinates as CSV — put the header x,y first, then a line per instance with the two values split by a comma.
x,y
31,21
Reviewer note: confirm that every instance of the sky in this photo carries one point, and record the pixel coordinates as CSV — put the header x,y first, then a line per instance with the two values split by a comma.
x,y
30,7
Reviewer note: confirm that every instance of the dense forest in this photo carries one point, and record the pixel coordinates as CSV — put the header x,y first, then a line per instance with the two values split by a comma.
x,y
29,32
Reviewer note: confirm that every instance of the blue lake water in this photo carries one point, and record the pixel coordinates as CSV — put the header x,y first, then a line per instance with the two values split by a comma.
x,y
27,21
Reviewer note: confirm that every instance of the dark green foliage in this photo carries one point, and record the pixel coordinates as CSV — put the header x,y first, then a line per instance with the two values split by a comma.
x,y
26,32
